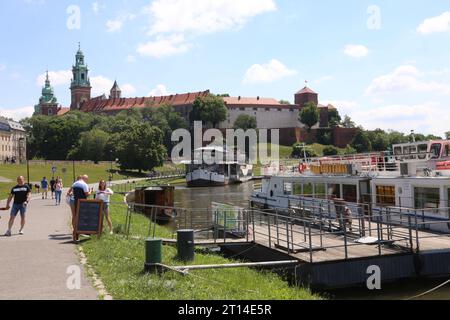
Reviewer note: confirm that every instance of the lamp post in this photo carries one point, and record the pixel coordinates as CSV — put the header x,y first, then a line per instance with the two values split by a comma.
x,y
23,140
73,163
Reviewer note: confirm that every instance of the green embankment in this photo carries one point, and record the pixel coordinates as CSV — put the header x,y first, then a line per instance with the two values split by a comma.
x,y
120,262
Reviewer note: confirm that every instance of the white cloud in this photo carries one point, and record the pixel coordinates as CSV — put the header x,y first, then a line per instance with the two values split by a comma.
x,y
102,85
57,78
343,106
2,67
17,113
440,23
356,50
160,90
130,58
171,20
128,89
424,118
117,24
164,46
270,72
203,16
405,78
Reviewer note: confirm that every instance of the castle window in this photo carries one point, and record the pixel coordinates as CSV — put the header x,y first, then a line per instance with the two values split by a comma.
x,y
82,76
50,112
267,109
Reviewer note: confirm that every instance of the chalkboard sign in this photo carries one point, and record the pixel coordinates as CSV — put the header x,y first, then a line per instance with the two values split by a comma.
x,y
89,218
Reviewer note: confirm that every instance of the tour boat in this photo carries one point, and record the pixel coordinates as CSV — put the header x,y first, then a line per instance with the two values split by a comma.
x,y
212,172
415,178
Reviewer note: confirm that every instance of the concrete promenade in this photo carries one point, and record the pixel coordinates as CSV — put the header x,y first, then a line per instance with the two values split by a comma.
x,y
34,266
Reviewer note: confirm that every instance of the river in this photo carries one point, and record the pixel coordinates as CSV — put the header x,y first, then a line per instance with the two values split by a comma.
x,y
239,195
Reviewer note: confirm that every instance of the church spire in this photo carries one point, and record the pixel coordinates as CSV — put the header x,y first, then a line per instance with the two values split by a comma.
x,y
81,84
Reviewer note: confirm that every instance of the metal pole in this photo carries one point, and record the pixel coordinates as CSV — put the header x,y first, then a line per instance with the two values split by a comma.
x,y
310,243
270,234
410,234
287,236
417,233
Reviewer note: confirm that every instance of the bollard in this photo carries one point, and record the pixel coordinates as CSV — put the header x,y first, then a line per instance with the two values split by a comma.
x,y
185,245
153,254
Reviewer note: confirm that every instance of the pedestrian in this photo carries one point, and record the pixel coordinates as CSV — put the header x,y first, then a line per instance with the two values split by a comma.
x,y
21,194
348,218
104,194
38,188
79,191
58,190
52,187
44,186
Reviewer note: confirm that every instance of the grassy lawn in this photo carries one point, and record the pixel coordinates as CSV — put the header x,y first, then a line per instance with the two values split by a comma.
x,y
120,263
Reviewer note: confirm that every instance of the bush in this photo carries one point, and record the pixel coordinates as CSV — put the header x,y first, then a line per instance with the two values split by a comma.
x,y
297,151
330,151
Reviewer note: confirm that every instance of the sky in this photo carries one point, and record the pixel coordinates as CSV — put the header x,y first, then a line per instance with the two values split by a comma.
x,y
384,63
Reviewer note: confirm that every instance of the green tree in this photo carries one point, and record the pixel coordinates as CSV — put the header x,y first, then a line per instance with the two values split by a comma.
x,y
245,122
92,146
379,139
299,150
361,142
309,115
285,102
447,135
211,110
330,151
140,147
348,122
334,118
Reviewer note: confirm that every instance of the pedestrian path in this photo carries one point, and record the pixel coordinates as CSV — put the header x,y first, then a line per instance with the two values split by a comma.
x,y
35,266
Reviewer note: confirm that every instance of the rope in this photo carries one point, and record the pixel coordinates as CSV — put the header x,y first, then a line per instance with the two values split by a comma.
x,y
429,291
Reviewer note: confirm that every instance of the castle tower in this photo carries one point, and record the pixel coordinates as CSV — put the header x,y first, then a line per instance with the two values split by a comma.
x,y
81,85
306,95
115,92
48,104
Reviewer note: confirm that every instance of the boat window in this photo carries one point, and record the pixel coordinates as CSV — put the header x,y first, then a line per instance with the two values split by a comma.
x,y
350,193
436,150
427,198
334,190
320,191
447,151
385,195
287,188
308,190
423,149
297,189
398,151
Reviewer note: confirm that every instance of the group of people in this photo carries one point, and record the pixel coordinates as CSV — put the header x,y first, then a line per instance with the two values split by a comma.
x,y
20,197
56,189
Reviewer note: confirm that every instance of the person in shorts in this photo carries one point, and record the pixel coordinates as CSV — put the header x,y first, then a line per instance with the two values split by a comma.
x,y
44,185
52,187
104,194
21,194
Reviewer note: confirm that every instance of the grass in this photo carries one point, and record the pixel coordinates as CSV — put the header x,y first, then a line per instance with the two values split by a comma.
x,y
119,263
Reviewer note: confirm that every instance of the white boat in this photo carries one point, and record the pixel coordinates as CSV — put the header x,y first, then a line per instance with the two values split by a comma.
x,y
414,180
212,172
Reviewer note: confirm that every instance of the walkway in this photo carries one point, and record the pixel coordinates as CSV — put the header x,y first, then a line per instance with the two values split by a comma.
x,y
34,266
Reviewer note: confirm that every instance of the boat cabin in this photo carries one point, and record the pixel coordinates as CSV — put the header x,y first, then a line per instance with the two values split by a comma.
x,y
159,198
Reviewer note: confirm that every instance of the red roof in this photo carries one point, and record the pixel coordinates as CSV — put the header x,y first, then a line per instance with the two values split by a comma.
x,y
242,101
63,111
306,90
100,104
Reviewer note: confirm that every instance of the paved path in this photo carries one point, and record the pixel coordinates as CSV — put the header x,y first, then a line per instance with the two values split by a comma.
x,y
34,266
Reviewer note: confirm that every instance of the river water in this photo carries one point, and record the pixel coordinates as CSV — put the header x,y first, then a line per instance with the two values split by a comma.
x,y
239,195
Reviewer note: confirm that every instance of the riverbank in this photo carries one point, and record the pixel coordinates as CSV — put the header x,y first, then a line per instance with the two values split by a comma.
x,y
120,262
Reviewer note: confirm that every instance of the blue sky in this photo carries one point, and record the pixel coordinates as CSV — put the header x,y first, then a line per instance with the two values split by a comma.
x,y
385,63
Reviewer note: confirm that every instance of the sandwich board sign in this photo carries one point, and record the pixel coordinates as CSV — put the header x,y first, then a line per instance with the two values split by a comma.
x,y
89,219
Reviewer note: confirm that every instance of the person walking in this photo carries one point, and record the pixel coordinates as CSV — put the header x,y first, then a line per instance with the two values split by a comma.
x,y
52,187
21,194
104,194
79,191
44,186
58,190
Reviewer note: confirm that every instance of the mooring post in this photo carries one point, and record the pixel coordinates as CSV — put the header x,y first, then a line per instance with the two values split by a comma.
x,y
185,245
411,244
153,255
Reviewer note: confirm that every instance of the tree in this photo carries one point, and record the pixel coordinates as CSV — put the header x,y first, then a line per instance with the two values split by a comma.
x,y
309,115
140,147
348,122
92,146
447,135
330,151
245,122
210,110
285,102
334,118
379,140
361,142
299,150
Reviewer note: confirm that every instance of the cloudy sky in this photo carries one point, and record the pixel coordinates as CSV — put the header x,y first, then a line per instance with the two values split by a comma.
x,y
385,63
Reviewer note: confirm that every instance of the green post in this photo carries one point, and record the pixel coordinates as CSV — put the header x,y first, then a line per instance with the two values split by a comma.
x,y
153,254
